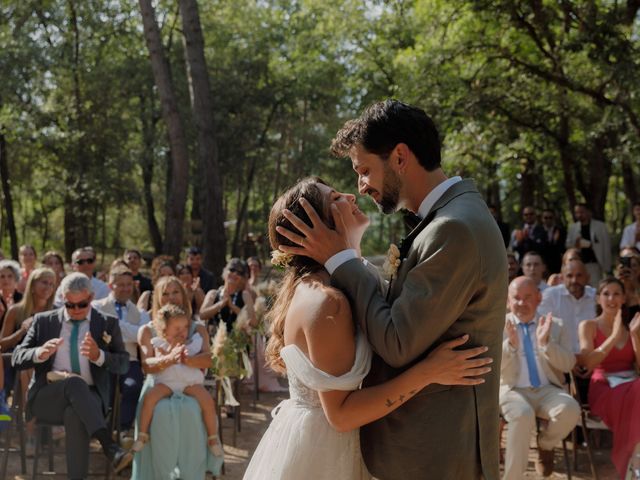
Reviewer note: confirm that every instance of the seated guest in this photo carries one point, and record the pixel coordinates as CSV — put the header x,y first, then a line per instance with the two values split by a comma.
x,y
255,267
226,302
74,351
9,278
191,286
626,273
555,245
28,259
119,304
54,261
531,236
161,266
536,352
38,297
533,267
611,344
178,448
194,260
631,233
83,261
573,301
133,258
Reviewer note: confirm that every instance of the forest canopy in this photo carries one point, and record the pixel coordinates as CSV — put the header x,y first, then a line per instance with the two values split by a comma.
x,y
167,123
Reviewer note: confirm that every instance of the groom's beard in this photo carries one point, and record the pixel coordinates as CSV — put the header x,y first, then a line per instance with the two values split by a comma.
x,y
390,196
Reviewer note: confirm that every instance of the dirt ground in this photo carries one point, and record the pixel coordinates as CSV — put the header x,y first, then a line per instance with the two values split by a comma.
x,y
255,420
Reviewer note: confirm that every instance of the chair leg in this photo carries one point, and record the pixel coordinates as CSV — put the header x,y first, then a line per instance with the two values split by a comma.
x,y
567,463
36,453
587,442
49,434
5,454
574,440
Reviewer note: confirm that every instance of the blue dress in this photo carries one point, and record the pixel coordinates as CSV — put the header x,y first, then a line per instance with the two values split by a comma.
x,y
178,441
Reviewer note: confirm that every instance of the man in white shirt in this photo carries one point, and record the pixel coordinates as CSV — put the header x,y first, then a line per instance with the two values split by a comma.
x,y
533,267
631,233
83,260
119,305
536,352
74,350
573,301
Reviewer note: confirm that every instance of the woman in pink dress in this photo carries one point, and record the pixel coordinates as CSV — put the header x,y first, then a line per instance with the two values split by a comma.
x,y
611,346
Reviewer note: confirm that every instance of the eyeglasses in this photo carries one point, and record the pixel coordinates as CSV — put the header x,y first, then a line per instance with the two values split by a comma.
x,y
82,261
73,306
237,271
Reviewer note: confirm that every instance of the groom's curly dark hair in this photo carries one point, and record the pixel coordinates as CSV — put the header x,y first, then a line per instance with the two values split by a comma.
x,y
384,125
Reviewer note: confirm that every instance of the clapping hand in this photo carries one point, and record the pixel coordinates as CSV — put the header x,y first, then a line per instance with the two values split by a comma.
x,y
543,330
512,334
447,366
48,348
89,348
195,284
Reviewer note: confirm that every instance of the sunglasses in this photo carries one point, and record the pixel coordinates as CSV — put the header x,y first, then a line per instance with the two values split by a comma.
x,y
82,261
80,305
235,270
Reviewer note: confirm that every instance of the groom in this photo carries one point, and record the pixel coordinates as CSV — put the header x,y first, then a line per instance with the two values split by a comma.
x,y
452,281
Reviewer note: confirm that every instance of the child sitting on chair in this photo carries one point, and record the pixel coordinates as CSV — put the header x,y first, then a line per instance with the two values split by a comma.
x,y
172,327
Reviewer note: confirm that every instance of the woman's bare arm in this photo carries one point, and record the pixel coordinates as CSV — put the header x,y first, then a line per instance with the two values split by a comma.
x,y
330,340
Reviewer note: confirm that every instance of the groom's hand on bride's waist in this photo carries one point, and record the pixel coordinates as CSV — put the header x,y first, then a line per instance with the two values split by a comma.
x,y
317,241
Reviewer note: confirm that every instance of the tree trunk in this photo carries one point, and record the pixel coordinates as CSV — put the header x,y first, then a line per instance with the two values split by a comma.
x,y
210,185
527,183
630,188
147,162
179,179
8,199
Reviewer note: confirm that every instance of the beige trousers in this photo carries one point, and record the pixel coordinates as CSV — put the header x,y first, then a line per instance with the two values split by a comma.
x,y
520,407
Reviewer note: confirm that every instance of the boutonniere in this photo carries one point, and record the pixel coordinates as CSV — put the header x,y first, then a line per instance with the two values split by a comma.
x,y
106,338
393,261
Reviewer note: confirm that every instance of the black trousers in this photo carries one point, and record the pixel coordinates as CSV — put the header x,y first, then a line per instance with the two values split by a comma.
x,y
78,407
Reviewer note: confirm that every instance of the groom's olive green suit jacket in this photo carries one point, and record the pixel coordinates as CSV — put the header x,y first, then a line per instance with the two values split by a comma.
x,y
453,281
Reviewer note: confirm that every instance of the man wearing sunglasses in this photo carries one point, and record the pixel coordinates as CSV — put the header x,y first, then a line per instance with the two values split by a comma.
x,y
83,260
74,351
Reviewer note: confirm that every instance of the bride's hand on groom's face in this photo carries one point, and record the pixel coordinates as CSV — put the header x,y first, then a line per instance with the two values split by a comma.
x,y
447,366
318,241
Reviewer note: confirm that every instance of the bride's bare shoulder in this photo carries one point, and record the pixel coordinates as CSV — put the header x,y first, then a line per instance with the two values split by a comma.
x,y
319,301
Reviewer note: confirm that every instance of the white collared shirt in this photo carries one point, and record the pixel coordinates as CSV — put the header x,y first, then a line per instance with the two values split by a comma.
x,y
128,330
425,207
523,374
571,310
629,236
62,360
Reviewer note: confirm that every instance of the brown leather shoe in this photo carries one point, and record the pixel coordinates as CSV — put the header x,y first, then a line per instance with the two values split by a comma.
x,y
544,462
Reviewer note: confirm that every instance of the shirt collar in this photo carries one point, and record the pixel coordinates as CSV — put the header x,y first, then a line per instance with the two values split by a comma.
x,y
67,318
435,194
589,292
520,322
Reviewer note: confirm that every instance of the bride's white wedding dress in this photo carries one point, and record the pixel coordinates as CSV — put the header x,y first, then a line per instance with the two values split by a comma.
x,y
300,443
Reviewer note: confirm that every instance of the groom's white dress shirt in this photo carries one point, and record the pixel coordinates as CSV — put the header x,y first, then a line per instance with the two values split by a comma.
x,y
425,207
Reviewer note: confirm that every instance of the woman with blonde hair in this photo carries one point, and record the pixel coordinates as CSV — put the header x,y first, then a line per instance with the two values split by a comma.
x,y
54,261
161,266
38,297
185,449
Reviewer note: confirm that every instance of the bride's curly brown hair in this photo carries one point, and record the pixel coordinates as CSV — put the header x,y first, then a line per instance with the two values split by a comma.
x,y
299,266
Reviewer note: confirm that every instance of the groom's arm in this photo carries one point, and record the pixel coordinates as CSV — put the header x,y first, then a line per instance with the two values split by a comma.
x,y
434,294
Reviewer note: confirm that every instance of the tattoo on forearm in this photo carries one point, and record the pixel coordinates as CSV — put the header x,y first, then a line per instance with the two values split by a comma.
x,y
389,403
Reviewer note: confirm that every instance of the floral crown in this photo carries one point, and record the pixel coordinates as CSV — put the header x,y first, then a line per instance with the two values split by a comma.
x,y
281,259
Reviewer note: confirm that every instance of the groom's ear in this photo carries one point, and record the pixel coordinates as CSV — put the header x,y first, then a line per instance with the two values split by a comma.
x,y
400,157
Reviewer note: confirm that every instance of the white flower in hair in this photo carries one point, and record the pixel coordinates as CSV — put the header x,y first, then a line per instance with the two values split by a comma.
x,y
392,262
280,259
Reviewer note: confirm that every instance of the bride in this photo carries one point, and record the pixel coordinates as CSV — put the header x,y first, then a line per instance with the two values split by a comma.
x,y
314,434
